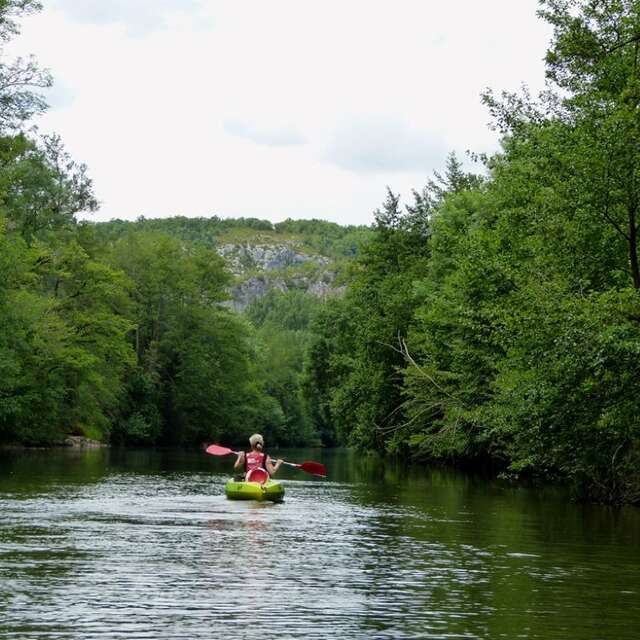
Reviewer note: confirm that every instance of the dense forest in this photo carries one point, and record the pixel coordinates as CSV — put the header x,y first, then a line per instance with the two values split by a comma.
x,y
493,319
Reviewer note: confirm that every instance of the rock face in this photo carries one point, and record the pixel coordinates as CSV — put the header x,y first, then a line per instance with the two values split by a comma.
x,y
244,257
80,442
259,268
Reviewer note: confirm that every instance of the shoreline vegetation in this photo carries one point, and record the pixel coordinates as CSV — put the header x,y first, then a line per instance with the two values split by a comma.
x,y
70,442
493,320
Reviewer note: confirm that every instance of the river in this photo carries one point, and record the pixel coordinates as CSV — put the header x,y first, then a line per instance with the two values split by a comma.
x,y
144,544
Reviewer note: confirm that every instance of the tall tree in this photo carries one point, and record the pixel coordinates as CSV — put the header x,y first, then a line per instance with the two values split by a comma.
x,y
593,66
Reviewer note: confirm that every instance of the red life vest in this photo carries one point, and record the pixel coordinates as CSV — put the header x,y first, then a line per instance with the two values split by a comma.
x,y
255,460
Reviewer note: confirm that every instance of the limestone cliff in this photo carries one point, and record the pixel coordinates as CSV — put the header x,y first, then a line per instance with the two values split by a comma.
x,y
261,267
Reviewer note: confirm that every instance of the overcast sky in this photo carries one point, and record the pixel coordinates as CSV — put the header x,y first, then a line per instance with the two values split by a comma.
x,y
286,108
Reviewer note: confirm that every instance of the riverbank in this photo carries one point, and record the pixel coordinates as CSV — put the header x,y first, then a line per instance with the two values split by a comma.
x,y
70,442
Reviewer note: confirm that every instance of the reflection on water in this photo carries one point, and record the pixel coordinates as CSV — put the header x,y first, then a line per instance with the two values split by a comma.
x,y
142,544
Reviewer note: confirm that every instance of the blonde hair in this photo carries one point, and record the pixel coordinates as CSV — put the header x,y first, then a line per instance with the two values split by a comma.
x,y
255,438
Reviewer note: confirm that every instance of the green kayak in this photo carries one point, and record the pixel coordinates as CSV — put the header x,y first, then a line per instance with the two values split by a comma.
x,y
240,490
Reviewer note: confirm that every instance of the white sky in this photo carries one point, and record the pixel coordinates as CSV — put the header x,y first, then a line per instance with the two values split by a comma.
x,y
285,108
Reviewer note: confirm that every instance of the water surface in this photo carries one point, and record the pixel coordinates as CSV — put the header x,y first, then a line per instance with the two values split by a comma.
x,y
142,544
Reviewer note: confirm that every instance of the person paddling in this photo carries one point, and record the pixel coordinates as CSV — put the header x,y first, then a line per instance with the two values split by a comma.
x,y
256,458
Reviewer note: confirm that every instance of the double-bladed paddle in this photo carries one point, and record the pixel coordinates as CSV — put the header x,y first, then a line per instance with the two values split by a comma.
x,y
314,468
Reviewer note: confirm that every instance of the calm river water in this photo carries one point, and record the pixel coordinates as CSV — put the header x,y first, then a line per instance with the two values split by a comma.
x,y
140,544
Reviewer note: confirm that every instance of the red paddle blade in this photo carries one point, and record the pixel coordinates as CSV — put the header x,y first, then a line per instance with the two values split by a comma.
x,y
315,468
217,450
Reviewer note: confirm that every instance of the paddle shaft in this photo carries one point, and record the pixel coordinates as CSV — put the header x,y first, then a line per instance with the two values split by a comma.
x,y
314,468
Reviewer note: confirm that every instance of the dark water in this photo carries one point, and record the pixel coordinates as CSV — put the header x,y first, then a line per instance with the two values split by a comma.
x,y
109,544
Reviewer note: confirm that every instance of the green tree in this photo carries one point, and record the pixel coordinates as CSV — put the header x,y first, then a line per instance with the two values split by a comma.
x,y
64,348
194,379
524,339
353,380
20,79
591,146
41,187
283,321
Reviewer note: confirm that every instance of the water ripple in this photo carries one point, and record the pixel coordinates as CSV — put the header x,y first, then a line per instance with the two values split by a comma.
x,y
167,556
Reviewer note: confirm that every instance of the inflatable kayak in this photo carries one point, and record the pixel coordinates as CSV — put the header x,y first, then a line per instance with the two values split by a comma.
x,y
241,490
257,486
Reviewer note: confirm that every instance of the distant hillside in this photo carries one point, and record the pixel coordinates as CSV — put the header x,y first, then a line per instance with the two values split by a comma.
x,y
302,255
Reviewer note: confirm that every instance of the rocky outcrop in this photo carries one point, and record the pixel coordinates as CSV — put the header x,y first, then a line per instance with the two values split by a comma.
x,y
255,287
245,257
80,442
260,268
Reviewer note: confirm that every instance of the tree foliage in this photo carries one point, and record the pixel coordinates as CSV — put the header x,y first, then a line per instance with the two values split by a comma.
x,y
518,324
119,333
